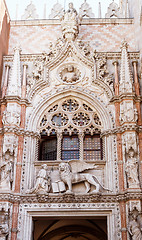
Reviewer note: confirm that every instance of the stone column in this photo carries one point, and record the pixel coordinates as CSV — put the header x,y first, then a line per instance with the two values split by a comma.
x,y
24,81
7,67
59,145
81,137
116,84
136,81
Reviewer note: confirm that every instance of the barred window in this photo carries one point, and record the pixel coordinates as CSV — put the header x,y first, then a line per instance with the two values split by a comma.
x,y
70,148
48,149
92,147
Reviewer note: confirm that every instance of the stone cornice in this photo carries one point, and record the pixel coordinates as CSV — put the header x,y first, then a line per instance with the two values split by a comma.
x,y
14,99
71,198
129,96
19,131
122,129
109,55
90,21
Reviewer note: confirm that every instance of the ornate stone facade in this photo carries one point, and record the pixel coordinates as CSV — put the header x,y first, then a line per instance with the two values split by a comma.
x,y
70,129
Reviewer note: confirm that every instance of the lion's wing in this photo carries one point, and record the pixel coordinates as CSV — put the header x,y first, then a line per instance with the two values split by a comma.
x,y
80,166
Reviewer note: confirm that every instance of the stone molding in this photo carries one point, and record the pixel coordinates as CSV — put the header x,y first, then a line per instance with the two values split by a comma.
x,y
128,96
114,131
71,198
110,210
19,131
14,99
109,55
122,129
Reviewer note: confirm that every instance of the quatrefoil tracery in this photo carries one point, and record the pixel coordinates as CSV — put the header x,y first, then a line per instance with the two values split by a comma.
x,y
68,115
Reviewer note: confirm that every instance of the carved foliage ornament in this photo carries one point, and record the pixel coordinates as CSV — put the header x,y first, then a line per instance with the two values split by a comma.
x,y
102,71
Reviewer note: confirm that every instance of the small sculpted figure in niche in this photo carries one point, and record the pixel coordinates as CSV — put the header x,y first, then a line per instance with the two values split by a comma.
x,y
70,75
41,184
6,173
134,228
131,169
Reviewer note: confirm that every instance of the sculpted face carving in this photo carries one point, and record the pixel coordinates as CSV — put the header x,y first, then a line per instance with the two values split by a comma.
x,y
70,74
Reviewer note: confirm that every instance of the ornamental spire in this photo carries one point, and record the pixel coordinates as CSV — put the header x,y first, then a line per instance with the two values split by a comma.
x,y
125,72
14,86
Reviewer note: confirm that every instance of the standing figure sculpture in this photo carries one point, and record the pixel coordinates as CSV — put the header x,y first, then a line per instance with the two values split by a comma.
x,y
6,175
131,169
134,228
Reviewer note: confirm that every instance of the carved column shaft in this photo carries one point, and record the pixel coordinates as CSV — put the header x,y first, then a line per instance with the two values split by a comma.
x,y
5,81
81,136
136,82
122,207
59,146
14,221
120,162
24,82
116,85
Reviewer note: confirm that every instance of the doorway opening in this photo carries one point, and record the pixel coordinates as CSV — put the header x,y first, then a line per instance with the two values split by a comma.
x,y
69,228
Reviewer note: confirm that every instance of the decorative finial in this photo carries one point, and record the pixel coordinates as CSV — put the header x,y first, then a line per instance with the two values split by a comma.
x,y
100,11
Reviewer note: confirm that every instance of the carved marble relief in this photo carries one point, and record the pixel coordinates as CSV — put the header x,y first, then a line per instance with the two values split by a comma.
x,y
130,142
41,183
10,144
128,112
11,116
62,179
70,74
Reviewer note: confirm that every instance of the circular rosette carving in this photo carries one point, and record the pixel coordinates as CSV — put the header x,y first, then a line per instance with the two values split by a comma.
x,y
81,119
70,105
70,74
97,120
59,119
